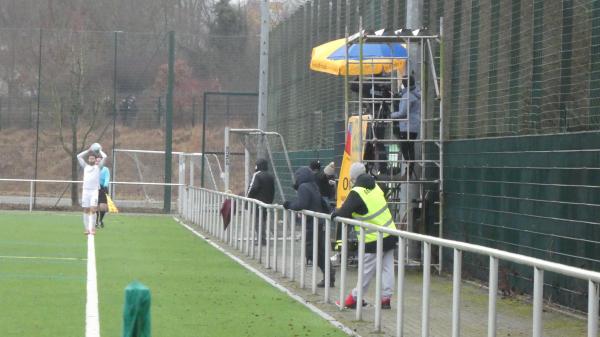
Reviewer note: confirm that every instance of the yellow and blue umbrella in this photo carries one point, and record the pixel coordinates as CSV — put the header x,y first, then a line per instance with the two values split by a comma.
x,y
377,58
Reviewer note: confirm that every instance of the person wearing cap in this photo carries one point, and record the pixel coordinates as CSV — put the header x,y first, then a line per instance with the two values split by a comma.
x,y
410,107
323,180
366,202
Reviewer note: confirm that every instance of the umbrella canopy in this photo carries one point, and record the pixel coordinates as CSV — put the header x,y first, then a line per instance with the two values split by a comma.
x,y
330,58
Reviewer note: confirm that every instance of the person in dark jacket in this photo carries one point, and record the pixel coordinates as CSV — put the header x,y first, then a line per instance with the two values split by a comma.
x,y
323,181
366,202
262,188
309,198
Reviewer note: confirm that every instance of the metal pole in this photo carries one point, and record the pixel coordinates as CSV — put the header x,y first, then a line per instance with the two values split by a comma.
x,y
204,143
400,304
31,198
346,88
227,160
343,264
456,285
426,289
181,178
361,268
378,269
414,20
493,292
592,309
441,155
37,120
292,239
263,85
285,216
112,192
303,251
169,123
538,301
246,165
360,91
327,259
192,170
315,254
275,220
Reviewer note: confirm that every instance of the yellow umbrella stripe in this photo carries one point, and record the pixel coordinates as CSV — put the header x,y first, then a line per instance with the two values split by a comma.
x,y
320,62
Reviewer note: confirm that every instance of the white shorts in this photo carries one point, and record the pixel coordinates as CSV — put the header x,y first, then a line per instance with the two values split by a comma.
x,y
89,198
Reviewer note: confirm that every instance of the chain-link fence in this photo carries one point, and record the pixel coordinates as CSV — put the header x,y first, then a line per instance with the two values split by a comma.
x,y
62,90
520,101
531,70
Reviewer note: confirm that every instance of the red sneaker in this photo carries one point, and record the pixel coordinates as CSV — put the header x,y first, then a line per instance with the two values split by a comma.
x,y
350,302
386,303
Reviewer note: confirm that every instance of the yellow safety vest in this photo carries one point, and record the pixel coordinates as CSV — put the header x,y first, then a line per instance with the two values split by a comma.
x,y
378,212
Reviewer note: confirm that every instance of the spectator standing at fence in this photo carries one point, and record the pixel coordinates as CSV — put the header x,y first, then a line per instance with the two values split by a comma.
x,y
262,188
309,198
410,108
366,202
324,181
102,193
91,181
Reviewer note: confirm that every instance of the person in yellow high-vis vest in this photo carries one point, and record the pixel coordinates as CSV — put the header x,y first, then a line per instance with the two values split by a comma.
x,y
366,202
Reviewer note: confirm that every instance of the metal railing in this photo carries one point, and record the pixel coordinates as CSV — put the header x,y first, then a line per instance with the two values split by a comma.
x,y
202,208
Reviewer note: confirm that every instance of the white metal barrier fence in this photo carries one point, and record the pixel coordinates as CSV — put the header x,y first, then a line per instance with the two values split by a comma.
x,y
202,208
32,182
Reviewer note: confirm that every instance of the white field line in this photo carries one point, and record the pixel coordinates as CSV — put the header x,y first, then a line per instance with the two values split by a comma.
x,y
92,317
41,258
274,283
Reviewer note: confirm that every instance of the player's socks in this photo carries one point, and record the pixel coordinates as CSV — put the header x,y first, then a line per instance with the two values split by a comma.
x,y
86,220
93,222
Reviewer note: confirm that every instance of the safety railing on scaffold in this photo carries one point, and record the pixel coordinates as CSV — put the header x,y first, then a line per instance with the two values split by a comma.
x,y
201,207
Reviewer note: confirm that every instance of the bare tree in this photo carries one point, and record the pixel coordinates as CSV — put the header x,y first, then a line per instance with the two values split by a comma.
x,y
78,113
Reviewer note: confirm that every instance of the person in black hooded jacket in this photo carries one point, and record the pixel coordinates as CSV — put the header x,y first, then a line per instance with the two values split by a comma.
x,y
309,198
262,187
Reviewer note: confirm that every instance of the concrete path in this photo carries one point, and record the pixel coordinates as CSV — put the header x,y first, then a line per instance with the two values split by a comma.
x,y
514,315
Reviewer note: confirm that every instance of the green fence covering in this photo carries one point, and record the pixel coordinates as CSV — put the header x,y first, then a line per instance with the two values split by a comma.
x,y
534,195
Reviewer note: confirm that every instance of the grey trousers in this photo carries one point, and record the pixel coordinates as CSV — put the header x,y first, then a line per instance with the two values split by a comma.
x,y
387,274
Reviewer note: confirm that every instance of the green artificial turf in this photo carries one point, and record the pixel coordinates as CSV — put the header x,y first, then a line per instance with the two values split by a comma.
x,y
196,290
40,296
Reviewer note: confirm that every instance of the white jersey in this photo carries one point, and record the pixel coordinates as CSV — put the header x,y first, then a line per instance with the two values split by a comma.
x,y
91,177
91,173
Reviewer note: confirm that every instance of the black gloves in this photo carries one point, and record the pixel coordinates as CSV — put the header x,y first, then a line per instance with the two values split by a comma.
x,y
286,204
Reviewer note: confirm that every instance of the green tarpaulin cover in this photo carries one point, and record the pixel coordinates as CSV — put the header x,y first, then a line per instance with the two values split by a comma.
x,y
136,312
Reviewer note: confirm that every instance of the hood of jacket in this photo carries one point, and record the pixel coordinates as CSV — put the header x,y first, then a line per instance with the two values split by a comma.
x,y
365,180
304,175
262,165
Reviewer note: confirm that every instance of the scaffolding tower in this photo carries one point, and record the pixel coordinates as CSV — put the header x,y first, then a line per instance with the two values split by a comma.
x,y
413,185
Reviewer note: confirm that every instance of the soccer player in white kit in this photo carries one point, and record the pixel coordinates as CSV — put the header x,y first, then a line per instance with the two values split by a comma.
x,y
91,181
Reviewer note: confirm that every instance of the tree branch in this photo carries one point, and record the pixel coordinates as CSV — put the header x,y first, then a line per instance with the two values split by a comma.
x,y
60,130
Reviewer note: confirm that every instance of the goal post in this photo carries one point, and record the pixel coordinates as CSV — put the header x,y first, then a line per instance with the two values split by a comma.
x,y
276,153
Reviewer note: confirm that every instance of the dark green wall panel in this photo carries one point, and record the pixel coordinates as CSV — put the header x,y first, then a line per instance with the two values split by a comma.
x,y
534,195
